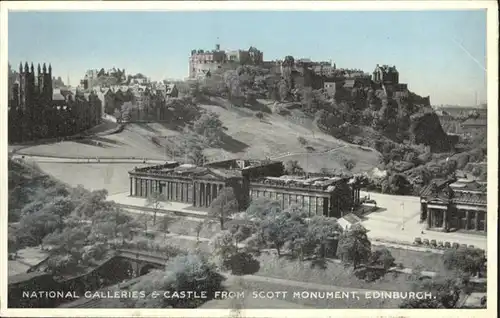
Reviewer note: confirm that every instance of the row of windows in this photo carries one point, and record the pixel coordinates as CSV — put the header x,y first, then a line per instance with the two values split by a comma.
x,y
310,204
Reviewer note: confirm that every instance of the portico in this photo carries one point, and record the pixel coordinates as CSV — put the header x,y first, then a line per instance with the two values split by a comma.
x,y
456,206
199,190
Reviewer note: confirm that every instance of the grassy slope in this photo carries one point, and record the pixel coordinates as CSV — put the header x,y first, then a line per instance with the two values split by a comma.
x,y
246,136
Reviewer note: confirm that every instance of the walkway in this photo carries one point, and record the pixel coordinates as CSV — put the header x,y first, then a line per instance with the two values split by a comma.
x,y
87,160
138,205
397,220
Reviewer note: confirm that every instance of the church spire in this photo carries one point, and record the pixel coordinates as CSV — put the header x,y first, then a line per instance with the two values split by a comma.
x,y
39,71
44,68
26,67
32,68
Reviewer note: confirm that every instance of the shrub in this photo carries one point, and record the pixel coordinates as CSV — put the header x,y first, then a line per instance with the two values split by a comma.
x,y
426,242
242,263
433,243
418,241
447,244
440,244
456,245
259,115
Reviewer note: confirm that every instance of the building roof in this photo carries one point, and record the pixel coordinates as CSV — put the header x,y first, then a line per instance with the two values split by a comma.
x,y
348,220
462,192
468,185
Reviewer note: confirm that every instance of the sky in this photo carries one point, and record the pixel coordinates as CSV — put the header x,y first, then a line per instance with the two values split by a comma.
x,y
441,54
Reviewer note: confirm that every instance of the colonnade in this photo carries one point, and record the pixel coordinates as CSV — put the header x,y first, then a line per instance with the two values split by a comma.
x,y
198,193
312,204
470,219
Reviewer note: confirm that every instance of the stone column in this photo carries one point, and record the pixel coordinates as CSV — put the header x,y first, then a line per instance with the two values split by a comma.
x,y
429,218
130,179
467,218
309,201
476,227
202,195
209,194
195,193
445,220
485,220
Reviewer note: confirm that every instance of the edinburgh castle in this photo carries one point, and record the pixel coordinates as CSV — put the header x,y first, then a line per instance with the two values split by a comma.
x,y
38,111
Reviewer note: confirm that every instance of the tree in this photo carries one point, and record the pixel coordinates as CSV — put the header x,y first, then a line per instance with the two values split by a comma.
x,y
223,247
92,203
292,167
165,222
192,272
319,230
302,141
12,243
144,219
262,207
113,224
283,228
210,127
446,293
397,184
70,241
354,247
155,200
198,228
224,205
382,257
465,260
348,163
195,154
34,227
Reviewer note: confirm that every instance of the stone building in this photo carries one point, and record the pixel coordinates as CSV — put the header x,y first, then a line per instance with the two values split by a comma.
x,y
250,179
202,63
385,74
37,111
450,205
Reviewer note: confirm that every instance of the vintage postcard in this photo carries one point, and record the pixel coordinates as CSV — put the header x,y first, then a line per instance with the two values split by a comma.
x,y
249,159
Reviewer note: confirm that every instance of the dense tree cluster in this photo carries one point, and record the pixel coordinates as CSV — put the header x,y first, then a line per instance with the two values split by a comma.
x,y
184,273
78,226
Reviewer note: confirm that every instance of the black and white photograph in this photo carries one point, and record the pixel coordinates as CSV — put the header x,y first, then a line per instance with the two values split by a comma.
x,y
202,156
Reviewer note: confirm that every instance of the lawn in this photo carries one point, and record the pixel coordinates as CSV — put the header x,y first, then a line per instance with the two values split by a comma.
x,y
112,177
185,226
333,274
427,261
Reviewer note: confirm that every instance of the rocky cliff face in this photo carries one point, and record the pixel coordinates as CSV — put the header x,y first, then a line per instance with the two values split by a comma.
x,y
425,128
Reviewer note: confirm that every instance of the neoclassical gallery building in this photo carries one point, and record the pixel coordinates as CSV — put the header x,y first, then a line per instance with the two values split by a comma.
x,y
200,185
